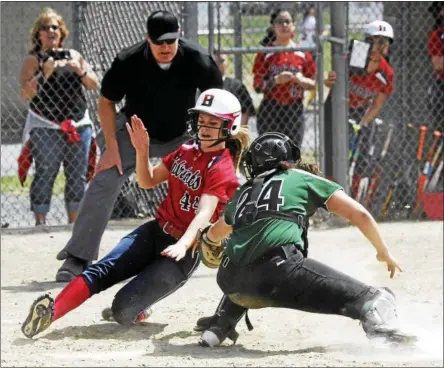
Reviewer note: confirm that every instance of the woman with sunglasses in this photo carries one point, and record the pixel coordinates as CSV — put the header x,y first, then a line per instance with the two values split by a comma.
x,y
58,128
282,77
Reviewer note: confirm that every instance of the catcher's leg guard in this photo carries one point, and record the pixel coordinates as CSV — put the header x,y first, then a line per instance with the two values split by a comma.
x,y
378,314
380,320
223,324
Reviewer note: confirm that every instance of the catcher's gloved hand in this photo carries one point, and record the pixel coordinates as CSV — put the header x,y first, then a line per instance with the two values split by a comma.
x,y
210,252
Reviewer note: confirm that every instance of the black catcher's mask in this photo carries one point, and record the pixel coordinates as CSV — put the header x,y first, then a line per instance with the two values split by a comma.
x,y
265,153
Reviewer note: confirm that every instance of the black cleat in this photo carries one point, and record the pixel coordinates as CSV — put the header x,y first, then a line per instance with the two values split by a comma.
x,y
39,317
205,323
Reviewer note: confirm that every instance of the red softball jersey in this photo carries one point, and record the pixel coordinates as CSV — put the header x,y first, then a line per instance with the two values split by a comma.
x,y
436,47
193,173
267,66
364,88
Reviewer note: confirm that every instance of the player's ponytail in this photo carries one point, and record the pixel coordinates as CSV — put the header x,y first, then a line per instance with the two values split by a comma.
x,y
302,165
238,144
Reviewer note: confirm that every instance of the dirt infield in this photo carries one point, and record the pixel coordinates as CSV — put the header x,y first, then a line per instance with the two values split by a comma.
x,y
280,337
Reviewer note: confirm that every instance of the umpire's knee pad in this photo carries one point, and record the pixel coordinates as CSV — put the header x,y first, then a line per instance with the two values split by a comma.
x,y
122,312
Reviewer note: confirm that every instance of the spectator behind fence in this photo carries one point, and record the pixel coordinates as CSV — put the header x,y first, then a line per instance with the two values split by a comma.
x,y
436,52
58,127
282,78
308,27
158,77
237,88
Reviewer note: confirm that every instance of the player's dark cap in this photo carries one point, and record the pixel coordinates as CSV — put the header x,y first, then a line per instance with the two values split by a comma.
x,y
162,26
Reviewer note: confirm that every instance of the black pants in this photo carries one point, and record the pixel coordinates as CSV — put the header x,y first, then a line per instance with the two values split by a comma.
x,y
285,119
156,276
288,280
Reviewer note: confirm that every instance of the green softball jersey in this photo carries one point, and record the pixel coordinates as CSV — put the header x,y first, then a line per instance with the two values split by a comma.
x,y
296,191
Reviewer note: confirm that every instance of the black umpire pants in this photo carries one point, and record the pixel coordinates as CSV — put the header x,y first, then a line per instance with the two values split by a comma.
x,y
283,278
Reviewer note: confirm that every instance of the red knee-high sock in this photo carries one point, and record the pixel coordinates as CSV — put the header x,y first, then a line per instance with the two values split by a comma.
x,y
74,294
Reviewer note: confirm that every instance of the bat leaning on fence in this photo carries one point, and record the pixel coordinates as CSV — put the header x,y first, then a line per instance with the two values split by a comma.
x,y
433,166
435,178
388,200
423,177
398,176
377,172
364,181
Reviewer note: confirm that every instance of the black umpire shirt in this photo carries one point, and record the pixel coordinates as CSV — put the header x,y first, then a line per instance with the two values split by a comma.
x,y
160,97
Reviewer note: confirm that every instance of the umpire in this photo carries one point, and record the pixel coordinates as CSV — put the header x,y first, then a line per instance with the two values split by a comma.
x,y
159,79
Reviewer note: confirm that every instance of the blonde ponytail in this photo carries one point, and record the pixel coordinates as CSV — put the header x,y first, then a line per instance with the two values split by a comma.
x,y
238,144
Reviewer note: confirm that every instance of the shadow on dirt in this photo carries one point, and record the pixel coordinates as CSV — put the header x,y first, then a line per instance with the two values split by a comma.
x,y
102,331
34,286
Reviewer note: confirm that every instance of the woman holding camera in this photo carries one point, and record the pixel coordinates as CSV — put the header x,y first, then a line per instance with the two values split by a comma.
x,y
58,127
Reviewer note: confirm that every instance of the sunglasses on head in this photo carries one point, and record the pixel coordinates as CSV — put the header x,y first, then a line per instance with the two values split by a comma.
x,y
282,22
168,42
52,27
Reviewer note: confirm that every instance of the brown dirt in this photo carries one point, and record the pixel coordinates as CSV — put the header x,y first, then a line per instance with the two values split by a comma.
x,y
280,338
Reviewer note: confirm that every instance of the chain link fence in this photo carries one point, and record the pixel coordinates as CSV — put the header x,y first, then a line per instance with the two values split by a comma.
x,y
396,161
275,85
58,169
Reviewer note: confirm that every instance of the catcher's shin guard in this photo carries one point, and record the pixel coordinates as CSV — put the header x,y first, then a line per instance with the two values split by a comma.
x,y
379,318
378,314
223,324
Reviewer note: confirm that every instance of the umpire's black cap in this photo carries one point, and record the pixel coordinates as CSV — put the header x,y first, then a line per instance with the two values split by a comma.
x,y
162,26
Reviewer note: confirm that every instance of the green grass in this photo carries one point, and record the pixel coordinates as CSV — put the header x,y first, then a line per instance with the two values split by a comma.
x,y
11,185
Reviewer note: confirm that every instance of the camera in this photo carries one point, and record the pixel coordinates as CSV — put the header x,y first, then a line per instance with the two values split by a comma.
x,y
56,55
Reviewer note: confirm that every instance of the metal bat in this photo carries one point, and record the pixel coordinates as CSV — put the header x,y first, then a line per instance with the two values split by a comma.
x,y
364,182
433,165
375,177
435,178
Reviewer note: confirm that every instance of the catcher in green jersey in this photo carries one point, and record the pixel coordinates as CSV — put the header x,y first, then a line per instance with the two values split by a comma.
x,y
264,262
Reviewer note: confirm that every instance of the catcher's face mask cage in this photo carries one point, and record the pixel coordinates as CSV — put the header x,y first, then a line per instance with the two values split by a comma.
x,y
220,104
193,128
266,152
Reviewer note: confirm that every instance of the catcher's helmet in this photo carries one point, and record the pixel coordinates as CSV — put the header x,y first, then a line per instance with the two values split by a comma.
x,y
221,104
266,152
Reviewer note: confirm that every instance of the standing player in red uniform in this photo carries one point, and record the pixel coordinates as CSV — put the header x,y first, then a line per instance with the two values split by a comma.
x,y
368,91
201,179
282,78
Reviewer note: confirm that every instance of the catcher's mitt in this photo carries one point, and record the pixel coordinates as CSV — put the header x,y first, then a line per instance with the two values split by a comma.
x,y
210,252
